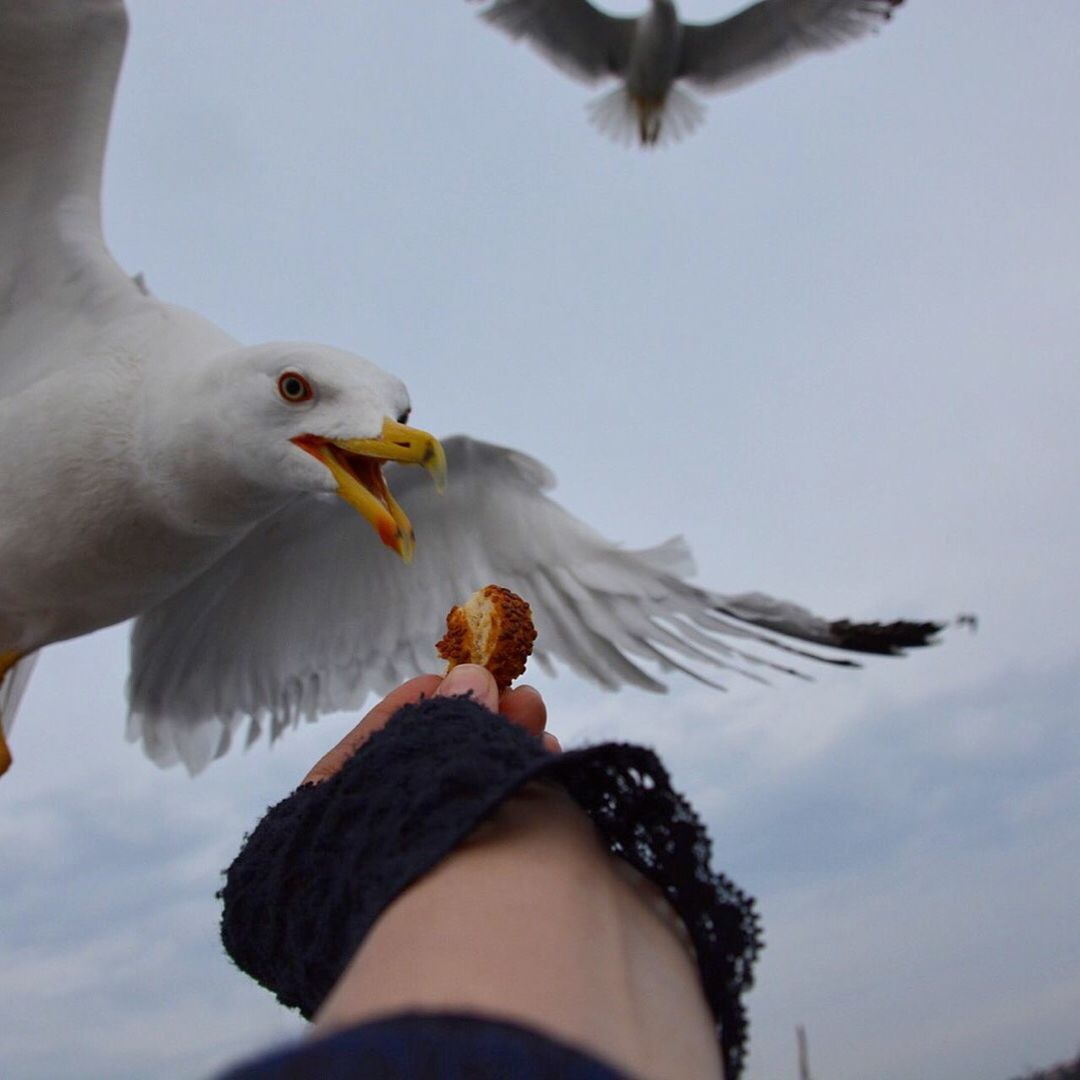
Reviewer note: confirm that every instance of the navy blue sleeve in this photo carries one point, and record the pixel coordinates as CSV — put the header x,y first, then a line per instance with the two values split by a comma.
x,y
433,1046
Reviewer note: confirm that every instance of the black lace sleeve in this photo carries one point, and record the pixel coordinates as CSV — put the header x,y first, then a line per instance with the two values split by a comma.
x,y
324,863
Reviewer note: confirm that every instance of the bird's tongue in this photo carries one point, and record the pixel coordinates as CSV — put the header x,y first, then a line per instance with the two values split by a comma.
x,y
370,495
362,485
368,472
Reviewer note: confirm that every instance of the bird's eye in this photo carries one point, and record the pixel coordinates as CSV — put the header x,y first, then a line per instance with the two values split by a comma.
x,y
403,418
294,388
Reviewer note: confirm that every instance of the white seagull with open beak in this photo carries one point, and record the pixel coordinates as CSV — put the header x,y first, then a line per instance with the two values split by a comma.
x,y
236,501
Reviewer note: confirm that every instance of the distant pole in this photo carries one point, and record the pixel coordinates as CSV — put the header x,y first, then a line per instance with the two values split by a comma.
x,y
804,1053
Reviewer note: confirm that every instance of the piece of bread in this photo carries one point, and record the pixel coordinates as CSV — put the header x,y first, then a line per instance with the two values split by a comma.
x,y
493,628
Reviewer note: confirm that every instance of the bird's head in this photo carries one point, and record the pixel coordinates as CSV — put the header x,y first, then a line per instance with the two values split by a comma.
x,y
310,419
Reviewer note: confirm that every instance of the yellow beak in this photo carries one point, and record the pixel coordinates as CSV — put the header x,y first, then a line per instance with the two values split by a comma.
x,y
356,465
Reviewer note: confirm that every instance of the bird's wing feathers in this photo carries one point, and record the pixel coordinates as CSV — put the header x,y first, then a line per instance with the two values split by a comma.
x,y
309,614
772,33
586,43
59,61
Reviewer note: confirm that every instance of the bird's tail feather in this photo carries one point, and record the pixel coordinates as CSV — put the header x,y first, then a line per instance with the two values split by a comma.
x,y
626,119
12,688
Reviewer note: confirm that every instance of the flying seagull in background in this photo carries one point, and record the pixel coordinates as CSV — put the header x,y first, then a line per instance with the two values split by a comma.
x,y
654,52
236,501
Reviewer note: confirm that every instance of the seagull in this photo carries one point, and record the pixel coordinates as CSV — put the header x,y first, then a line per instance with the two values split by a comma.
x,y
266,514
652,53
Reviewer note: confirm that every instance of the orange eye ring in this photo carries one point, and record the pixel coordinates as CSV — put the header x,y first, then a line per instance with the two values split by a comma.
x,y
294,388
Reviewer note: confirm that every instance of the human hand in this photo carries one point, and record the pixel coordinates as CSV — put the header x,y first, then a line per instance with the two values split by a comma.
x,y
521,705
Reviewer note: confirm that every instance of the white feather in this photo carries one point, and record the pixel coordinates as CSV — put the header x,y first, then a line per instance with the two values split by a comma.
x,y
12,689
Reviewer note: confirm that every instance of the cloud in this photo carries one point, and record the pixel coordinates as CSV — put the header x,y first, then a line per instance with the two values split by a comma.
x,y
913,867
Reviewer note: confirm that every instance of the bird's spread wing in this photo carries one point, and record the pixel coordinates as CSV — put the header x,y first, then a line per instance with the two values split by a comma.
x,y
773,33
586,43
309,614
59,61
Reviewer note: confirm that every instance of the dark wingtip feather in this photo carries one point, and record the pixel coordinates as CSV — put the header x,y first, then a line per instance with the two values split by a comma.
x,y
887,639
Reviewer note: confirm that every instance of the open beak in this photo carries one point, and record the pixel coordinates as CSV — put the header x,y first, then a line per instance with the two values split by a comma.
x,y
356,465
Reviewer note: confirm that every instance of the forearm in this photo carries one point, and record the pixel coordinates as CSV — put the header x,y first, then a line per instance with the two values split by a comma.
x,y
595,957
433,869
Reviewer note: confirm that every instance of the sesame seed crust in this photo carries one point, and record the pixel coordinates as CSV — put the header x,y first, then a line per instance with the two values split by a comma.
x,y
493,628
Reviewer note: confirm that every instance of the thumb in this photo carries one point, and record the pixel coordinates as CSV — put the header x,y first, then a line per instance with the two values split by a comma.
x,y
471,679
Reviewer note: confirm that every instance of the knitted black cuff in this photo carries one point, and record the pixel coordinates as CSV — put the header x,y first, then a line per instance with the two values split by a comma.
x,y
323,864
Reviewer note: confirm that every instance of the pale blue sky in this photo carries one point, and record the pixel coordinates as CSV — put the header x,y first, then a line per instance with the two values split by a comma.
x,y
832,338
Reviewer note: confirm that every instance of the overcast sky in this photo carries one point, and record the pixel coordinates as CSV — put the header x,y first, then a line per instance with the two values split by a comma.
x,y
832,338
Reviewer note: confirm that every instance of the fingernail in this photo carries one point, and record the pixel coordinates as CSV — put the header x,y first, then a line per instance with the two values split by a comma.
x,y
470,679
